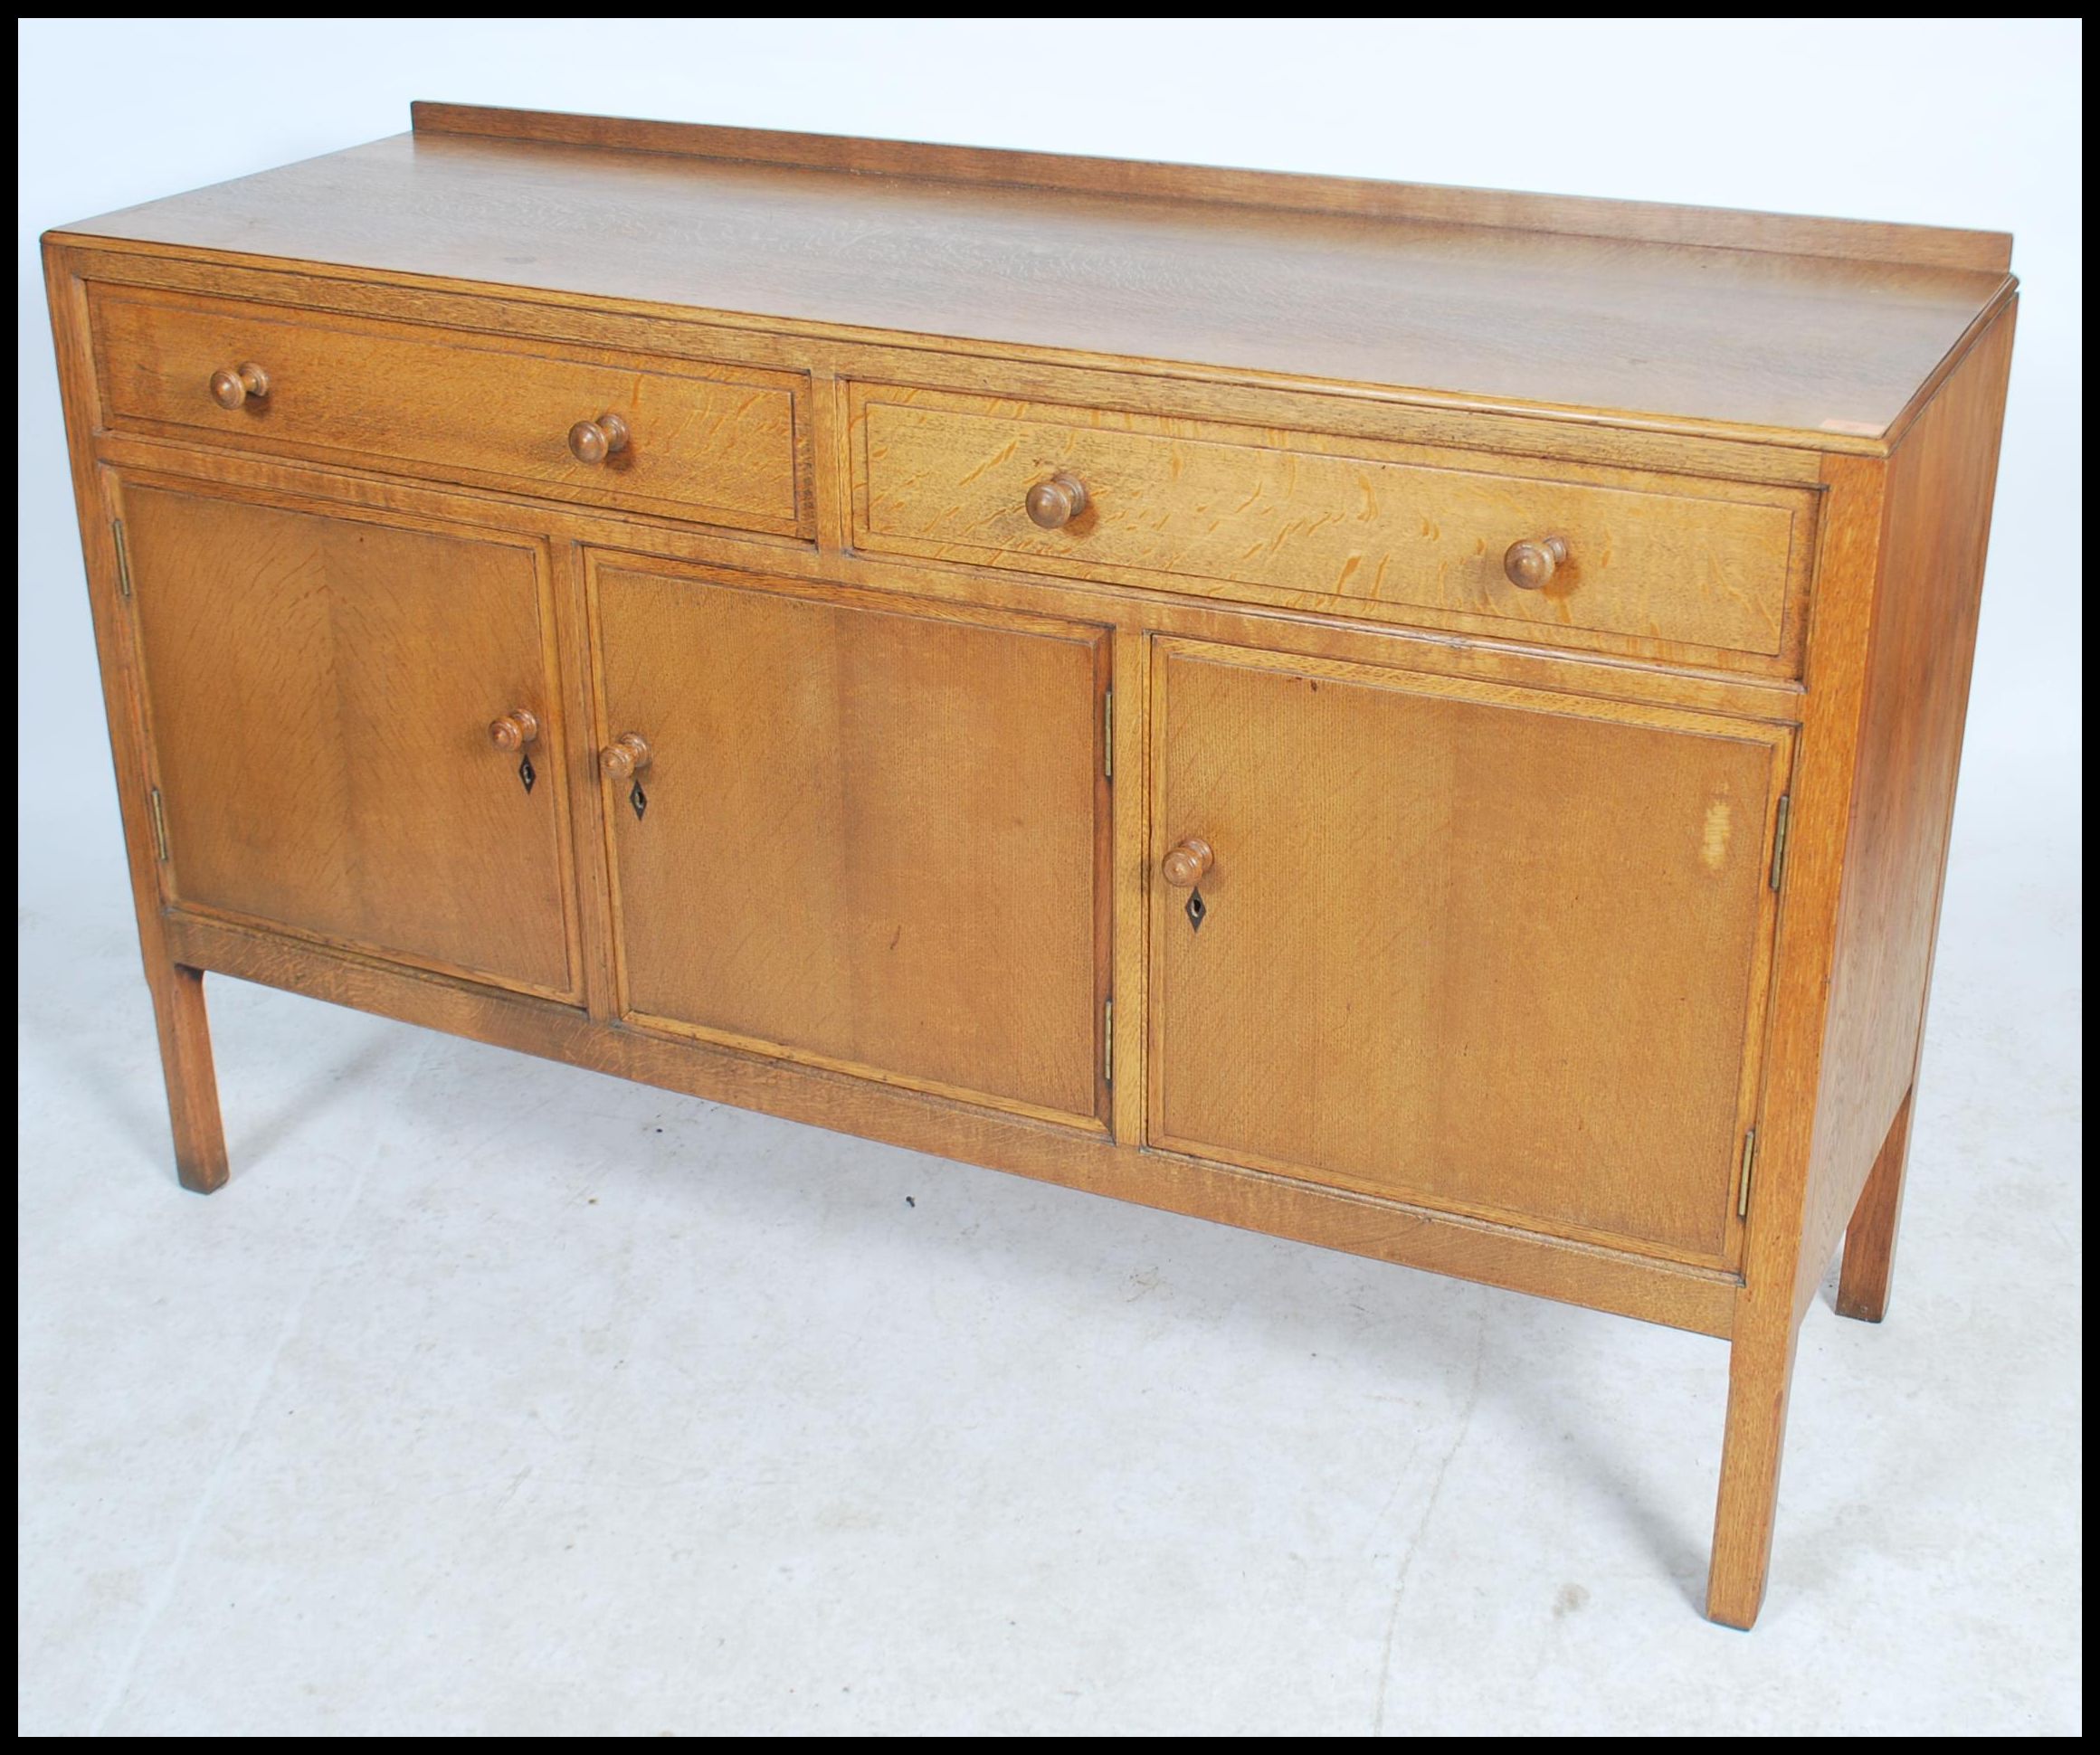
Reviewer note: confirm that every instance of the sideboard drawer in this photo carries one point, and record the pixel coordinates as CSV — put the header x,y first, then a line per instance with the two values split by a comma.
x,y
713,443
1393,532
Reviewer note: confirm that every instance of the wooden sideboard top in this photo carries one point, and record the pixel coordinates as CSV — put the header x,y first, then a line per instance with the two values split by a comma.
x,y
1805,331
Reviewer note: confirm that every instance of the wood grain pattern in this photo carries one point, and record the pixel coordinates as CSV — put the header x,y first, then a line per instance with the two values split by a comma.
x,y
1157,386
1766,1334
1130,745
874,838
1679,332
319,690
193,1082
1448,555
1421,936
596,956
1863,1285
1670,1294
1648,221
719,447
176,988
1685,562
1917,699
1570,668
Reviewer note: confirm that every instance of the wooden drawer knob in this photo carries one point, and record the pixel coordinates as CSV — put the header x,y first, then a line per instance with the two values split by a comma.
x,y
593,441
625,757
1055,503
515,729
1530,565
1186,862
231,386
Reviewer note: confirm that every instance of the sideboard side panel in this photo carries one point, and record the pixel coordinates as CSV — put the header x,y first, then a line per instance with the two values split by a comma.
x,y
1939,485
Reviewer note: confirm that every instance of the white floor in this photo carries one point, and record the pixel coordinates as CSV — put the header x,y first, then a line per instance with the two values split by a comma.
x,y
492,1396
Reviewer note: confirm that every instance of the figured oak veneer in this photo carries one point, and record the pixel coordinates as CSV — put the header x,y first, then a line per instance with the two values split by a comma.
x,y
1418,720
848,856
1417,965
1273,518
715,445
1813,322
319,692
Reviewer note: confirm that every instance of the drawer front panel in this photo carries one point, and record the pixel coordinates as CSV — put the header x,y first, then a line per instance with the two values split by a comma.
x,y
1487,949
1392,532
716,444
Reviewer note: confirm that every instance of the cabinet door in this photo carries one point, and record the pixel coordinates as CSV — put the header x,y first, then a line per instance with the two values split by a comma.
x,y
321,691
872,834
1481,948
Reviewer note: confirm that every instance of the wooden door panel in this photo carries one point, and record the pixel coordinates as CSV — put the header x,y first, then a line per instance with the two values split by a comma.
x,y
320,690
1479,947
874,837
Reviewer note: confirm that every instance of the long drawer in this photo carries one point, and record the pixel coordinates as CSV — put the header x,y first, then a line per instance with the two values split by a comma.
x,y
1679,565
712,443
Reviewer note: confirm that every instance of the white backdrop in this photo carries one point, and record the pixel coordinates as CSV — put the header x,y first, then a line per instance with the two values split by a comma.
x,y
1973,123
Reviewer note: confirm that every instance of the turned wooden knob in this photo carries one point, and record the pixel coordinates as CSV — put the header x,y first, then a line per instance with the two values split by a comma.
x,y
1186,862
515,729
593,441
232,386
1530,565
1055,503
625,757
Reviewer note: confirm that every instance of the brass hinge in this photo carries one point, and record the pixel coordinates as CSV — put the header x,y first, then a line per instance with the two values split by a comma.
x,y
1108,1041
159,823
1108,734
1749,1164
1786,801
123,560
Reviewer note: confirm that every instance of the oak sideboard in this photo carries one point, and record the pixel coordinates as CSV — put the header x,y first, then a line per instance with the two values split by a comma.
x,y
1419,720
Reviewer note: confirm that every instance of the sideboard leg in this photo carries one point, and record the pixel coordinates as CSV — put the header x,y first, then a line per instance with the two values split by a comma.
x,y
1870,1238
193,1087
1760,1371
